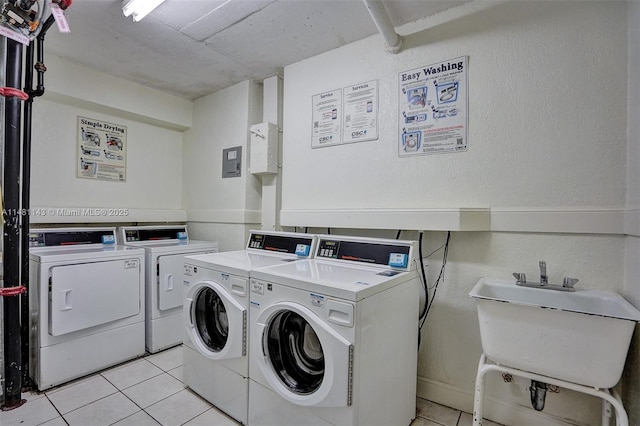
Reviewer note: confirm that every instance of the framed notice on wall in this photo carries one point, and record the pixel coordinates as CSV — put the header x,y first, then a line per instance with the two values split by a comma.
x,y
345,115
433,108
102,150
327,119
361,112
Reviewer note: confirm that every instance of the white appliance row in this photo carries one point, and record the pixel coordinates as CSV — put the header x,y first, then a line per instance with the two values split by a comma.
x,y
95,303
327,339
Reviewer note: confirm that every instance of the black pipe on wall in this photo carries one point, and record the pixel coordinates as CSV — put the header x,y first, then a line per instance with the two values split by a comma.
x,y
24,237
11,255
26,187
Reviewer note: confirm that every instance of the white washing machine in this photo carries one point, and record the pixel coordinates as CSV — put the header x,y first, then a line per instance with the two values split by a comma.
x,y
216,364
165,248
86,302
334,340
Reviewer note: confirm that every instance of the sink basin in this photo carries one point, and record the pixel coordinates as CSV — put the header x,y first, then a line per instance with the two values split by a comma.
x,y
581,337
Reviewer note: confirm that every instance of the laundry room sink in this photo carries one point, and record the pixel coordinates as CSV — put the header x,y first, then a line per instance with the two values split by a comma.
x,y
581,336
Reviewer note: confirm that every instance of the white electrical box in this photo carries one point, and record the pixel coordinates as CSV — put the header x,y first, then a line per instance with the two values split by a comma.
x,y
263,157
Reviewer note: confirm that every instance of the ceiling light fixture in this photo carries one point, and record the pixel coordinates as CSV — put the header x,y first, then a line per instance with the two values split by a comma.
x,y
139,8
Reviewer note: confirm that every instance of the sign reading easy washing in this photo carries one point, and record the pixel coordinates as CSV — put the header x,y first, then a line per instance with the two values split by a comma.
x,y
433,108
102,153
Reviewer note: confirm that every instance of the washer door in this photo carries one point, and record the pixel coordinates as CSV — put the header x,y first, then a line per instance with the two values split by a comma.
x,y
303,359
216,323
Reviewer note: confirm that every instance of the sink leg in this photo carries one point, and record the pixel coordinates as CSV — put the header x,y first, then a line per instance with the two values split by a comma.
x,y
479,393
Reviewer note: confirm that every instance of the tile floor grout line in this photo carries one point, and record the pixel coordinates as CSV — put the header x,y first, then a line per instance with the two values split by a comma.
x,y
55,408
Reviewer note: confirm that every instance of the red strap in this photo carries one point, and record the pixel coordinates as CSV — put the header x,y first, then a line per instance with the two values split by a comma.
x,y
11,91
12,291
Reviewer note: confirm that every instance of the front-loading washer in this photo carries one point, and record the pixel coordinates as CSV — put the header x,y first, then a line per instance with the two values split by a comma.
x,y
86,303
215,351
165,247
334,339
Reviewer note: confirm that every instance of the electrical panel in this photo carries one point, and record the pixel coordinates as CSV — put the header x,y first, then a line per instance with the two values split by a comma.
x,y
263,157
232,162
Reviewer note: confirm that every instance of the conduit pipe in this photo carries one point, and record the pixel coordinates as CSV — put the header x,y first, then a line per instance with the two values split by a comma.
x,y
25,312
11,255
383,22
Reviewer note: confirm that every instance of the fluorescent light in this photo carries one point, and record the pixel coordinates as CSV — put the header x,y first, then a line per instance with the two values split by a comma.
x,y
139,8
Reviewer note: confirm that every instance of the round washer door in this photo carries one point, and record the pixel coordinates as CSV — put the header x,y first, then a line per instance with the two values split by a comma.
x,y
215,322
302,358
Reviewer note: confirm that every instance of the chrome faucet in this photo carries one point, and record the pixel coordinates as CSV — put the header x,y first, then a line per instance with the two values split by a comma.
x,y
567,283
544,279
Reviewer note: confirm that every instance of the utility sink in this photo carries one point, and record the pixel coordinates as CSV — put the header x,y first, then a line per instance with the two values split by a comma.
x,y
580,337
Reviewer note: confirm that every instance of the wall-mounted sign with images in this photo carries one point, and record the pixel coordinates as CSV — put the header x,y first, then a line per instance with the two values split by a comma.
x,y
326,119
433,108
102,150
361,112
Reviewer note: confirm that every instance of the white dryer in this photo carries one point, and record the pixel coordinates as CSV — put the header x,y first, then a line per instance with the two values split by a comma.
x,y
334,340
165,248
215,362
86,303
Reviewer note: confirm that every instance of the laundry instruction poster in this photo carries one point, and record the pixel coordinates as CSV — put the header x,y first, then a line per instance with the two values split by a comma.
x,y
433,108
360,112
327,119
102,153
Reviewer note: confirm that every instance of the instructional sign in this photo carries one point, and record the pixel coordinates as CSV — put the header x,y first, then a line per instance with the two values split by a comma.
x,y
102,151
327,119
433,108
361,112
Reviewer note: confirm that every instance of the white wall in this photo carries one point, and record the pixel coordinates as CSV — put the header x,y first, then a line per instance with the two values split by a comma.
x,y
547,90
632,267
547,131
152,191
221,209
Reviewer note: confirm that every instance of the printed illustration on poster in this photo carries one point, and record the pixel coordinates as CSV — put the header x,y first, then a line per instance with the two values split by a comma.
x,y
433,109
102,150
327,119
361,112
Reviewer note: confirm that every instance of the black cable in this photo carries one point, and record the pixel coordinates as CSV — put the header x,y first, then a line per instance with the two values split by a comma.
x,y
423,310
328,231
441,275
398,234
423,315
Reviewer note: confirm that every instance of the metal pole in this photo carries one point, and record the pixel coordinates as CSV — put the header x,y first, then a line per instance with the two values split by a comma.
x,y
12,338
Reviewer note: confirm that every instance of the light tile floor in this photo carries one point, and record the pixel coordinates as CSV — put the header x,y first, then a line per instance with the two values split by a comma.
x,y
150,391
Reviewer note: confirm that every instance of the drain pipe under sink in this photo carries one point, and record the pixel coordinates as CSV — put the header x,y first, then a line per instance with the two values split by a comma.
x,y
538,394
383,22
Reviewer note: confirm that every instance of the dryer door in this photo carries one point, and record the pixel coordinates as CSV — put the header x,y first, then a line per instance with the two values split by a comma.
x,y
302,357
89,294
216,323
170,276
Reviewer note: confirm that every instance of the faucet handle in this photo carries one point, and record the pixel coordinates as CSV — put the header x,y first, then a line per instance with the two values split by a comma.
x,y
569,282
520,277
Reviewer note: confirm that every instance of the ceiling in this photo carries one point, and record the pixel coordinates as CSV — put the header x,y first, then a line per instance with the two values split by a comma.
x,y
191,48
